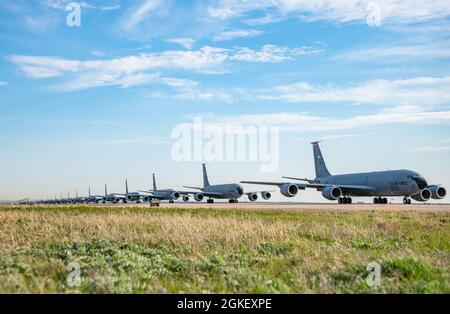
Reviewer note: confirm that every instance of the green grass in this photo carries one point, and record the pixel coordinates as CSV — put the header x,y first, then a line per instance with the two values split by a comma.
x,y
159,250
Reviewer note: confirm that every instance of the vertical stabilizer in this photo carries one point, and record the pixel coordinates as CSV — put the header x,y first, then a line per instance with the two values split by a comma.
x,y
106,190
154,183
319,162
126,186
205,176
89,192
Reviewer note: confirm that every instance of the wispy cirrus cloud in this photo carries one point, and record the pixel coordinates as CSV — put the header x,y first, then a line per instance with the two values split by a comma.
x,y
306,122
425,91
396,52
433,149
234,34
140,12
337,11
186,43
140,69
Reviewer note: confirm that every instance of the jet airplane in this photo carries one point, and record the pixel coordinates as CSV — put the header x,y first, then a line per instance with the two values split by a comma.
x,y
377,184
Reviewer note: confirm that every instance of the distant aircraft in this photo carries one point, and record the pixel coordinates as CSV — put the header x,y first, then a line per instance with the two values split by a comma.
x,y
113,197
94,198
379,184
231,191
79,199
161,195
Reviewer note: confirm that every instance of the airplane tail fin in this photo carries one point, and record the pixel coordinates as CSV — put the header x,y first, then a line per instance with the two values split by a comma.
x,y
319,162
89,192
154,183
126,186
205,176
77,194
106,190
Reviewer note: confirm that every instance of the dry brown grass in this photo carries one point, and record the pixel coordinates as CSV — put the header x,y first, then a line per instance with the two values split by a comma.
x,y
287,248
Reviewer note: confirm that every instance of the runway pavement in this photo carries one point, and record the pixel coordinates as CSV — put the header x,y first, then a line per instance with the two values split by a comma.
x,y
285,206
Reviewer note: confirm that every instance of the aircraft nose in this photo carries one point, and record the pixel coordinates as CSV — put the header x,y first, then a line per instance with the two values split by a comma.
x,y
421,182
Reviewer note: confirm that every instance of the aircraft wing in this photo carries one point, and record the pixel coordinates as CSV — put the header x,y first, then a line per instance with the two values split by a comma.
x,y
343,187
302,186
264,183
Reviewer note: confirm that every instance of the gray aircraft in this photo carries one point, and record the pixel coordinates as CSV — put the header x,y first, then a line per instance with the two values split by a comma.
x,y
377,184
137,197
160,195
113,197
94,198
231,191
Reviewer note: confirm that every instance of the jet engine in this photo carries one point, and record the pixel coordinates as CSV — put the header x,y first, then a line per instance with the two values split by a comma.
x,y
129,197
289,190
266,195
423,196
437,192
146,199
252,196
185,198
199,197
331,193
175,195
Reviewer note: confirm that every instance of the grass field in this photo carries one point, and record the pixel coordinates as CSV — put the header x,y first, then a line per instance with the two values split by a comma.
x,y
166,250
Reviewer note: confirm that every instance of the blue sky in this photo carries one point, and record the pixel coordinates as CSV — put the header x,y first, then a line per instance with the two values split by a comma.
x,y
83,106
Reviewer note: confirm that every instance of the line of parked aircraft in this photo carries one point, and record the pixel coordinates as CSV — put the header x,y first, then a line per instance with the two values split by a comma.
x,y
378,184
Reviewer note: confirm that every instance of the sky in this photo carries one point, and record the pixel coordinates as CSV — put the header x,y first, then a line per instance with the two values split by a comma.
x,y
95,103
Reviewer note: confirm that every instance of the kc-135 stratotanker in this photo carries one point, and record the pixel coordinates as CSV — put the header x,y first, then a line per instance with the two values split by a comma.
x,y
377,184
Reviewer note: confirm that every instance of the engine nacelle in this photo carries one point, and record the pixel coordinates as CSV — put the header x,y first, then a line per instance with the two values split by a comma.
x,y
199,197
266,195
146,199
252,197
129,197
331,193
185,198
289,190
176,195
437,192
423,196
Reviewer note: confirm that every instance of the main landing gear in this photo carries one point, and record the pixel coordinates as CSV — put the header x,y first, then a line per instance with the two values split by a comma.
x,y
233,201
210,201
406,201
171,201
380,200
345,200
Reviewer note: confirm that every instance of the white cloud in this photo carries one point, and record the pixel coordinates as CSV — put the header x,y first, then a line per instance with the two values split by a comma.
x,y
3,83
186,43
432,149
140,12
126,141
134,70
420,90
338,11
110,7
305,122
240,33
394,53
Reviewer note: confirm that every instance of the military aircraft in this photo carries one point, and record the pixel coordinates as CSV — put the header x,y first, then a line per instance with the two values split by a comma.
x,y
137,197
113,197
94,198
377,184
231,191
161,195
